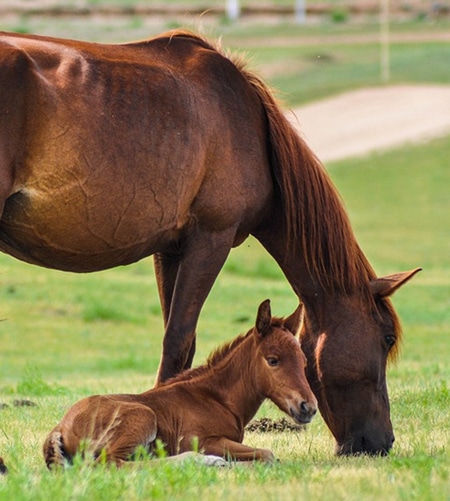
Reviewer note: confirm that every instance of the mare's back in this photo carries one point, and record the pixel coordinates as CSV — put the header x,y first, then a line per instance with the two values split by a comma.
x,y
130,135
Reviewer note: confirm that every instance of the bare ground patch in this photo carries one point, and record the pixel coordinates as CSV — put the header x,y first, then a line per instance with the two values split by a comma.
x,y
374,119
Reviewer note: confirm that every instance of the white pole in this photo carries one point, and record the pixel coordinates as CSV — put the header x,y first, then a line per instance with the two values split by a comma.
x,y
384,41
233,10
300,11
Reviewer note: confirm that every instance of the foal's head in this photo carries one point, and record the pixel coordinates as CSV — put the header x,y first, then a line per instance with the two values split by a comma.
x,y
280,364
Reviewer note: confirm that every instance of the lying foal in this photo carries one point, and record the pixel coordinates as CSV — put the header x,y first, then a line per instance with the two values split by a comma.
x,y
209,405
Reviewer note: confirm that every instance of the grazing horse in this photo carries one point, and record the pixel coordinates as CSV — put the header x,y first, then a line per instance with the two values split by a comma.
x,y
209,406
167,147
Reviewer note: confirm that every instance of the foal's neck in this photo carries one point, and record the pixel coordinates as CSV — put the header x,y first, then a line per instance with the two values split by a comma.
x,y
234,383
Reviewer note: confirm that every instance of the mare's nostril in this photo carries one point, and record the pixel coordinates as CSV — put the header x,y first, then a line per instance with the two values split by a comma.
x,y
391,442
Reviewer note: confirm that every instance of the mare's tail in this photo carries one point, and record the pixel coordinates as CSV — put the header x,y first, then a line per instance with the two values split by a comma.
x,y
54,454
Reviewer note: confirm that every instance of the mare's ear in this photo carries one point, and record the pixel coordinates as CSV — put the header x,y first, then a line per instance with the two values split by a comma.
x,y
386,286
293,322
263,318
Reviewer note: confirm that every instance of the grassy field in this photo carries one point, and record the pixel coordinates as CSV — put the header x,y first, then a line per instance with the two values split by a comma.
x,y
65,336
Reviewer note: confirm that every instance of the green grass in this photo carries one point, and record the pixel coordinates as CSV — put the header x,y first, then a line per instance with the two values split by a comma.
x,y
53,353
339,68
64,336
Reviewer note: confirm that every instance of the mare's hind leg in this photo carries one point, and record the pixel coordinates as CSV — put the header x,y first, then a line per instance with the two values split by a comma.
x,y
166,271
183,290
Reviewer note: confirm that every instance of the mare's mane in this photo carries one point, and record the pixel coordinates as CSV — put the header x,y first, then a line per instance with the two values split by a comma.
x,y
315,216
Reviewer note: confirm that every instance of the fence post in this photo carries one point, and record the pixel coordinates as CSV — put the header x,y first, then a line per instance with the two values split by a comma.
x,y
233,9
385,62
300,11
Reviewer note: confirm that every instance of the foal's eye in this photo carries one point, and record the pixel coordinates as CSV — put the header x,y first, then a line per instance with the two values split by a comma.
x,y
390,341
272,361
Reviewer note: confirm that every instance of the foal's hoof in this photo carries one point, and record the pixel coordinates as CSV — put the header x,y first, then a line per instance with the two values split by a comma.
x,y
215,461
3,468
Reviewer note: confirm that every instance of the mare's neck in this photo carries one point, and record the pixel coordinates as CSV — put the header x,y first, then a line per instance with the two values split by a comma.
x,y
291,261
317,300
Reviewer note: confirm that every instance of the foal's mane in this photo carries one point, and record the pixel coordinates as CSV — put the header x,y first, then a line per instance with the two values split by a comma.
x,y
219,354
315,216
213,359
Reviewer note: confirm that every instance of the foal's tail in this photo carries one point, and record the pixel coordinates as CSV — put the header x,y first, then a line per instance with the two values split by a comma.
x,y
54,454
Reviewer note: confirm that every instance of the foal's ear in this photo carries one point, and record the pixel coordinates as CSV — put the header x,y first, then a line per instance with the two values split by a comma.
x,y
386,286
263,318
293,322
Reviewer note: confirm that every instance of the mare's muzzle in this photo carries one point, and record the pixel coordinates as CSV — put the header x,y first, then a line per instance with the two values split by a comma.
x,y
365,444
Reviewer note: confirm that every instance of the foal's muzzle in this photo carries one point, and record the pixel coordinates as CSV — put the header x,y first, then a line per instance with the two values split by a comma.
x,y
304,412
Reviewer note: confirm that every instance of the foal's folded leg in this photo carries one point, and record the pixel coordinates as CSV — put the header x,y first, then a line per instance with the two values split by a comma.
x,y
134,425
236,451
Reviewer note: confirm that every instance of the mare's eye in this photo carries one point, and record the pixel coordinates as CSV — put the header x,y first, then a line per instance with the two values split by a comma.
x,y
272,361
390,341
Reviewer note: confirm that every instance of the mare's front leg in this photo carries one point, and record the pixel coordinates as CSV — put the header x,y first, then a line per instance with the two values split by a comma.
x,y
184,287
236,451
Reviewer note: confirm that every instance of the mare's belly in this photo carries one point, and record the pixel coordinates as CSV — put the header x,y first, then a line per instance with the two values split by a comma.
x,y
73,232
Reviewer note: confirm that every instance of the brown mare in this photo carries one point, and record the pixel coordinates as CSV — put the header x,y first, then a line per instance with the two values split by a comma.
x,y
211,404
111,153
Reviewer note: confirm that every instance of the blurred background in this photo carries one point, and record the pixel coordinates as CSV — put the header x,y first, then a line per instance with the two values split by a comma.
x,y
306,48
362,77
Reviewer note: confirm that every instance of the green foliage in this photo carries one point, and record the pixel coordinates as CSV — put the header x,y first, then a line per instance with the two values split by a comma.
x,y
33,384
339,15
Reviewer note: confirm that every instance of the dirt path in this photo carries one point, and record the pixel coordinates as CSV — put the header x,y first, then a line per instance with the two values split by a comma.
x,y
374,119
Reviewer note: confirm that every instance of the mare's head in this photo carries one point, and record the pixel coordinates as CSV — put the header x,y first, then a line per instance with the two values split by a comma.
x,y
348,343
280,364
